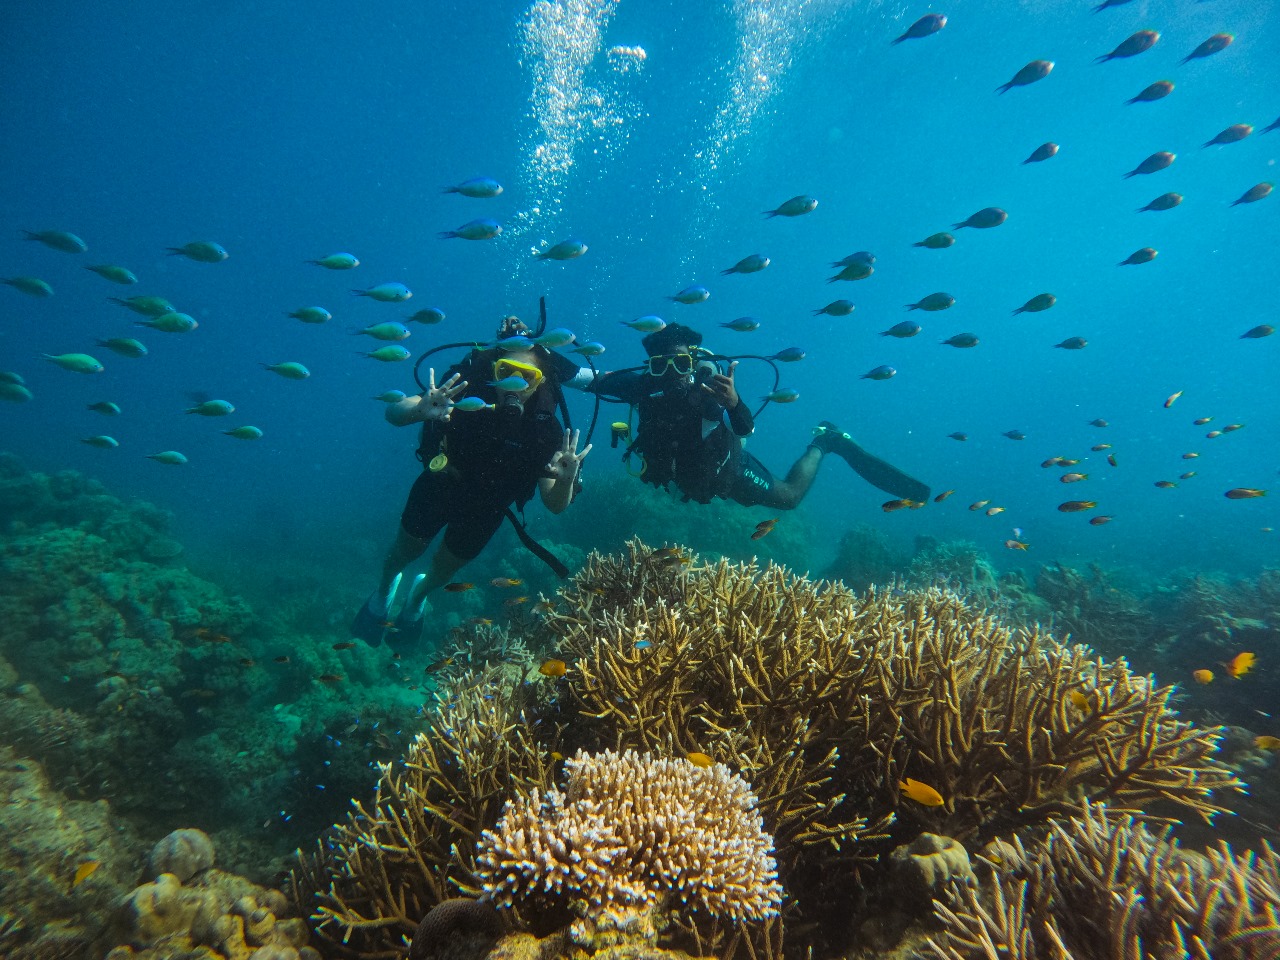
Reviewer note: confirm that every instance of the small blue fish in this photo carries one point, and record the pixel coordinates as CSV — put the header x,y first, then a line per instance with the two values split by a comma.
x,y
557,337
336,261
795,207
512,344
836,308
902,330
589,349
427,315
649,324
564,250
691,294
391,396
926,26
883,372
480,188
512,383
865,257
386,293
789,355
485,228
643,644
784,395
742,324
752,264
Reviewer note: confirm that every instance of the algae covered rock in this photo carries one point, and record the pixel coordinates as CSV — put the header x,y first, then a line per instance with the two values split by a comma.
x,y
183,853
929,864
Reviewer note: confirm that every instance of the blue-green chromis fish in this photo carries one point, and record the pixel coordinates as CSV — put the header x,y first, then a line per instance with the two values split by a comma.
x,y
836,308
170,322
649,324
75,362
512,383
384,331
902,330
480,188
853,271
105,407
591,348
125,346
31,286
752,264
795,207
102,442
14,392
386,293
171,457
742,324
428,315
789,355
390,354
391,396
556,337
336,261
244,433
865,257
146,306
933,302
58,240
113,273
883,372
289,370
785,395
564,250
483,229
212,408
691,294
202,251
311,314
472,404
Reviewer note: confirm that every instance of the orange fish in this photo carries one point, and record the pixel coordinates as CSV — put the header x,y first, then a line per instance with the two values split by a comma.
x,y
1172,398
700,759
1201,421
1202,677
84,872
1079,701
1240,664
556,756
458,587
1267,742
1016,545
943,495
553,668
1073,477
1075,506
1244,493
1099,520
1165,484
920,792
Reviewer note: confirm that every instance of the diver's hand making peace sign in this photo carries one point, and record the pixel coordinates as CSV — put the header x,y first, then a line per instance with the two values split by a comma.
x,y
437,402
721,387
566,461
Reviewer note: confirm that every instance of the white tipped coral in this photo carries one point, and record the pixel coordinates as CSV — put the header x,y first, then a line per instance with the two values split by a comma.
x,y
636,833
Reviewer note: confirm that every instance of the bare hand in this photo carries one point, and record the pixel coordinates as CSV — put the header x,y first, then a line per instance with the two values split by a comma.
x,y
437,402
721,387
566,461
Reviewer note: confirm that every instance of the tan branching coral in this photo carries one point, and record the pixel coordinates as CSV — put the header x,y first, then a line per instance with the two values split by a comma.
x,y
630,836
373,879
1102,886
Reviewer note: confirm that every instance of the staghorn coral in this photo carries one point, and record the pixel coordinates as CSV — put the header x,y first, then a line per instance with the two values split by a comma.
x,y
1102,886
373,878
630,836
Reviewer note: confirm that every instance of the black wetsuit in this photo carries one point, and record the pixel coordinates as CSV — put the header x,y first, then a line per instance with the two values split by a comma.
x,y
493,461
687,438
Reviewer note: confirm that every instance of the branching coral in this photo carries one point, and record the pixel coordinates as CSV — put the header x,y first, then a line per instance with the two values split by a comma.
x,y
1104,886
630,836
377,875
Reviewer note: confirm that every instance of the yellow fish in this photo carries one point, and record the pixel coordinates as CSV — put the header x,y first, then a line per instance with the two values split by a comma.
x,y
84,872
1240,664
1079,701
1267,742
699,759
1202,677
553,668
921,793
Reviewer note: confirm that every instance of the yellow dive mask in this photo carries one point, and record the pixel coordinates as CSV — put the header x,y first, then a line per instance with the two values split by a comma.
x,y
527,372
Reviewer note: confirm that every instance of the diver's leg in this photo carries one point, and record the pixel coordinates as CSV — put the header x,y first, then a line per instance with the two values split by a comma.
x,y
753,485
470,527
444,564
406,549
872,469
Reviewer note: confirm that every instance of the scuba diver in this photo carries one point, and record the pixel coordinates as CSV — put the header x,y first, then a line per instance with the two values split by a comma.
x,y
692,427
482,453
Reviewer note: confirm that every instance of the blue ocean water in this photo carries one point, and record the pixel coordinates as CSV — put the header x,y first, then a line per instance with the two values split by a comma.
x,y
287,132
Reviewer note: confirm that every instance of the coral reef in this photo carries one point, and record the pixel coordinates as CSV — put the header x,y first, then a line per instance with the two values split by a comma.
x,y
632,838
1104,885
183,853
1094,610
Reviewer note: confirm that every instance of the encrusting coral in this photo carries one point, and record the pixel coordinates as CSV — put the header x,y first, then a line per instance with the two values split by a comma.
x,y
1102,886
631,838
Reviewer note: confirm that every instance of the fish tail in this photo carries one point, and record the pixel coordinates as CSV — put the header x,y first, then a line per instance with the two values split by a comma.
x,y
176,251
911,306
957,226
818,313
447,234
450,190
31,236
725,273
894,43
1005,87
360,293
1018,311
770,214
1131,173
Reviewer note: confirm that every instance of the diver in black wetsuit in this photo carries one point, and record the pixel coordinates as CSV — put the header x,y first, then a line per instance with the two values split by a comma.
x,y
691,425
478,463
